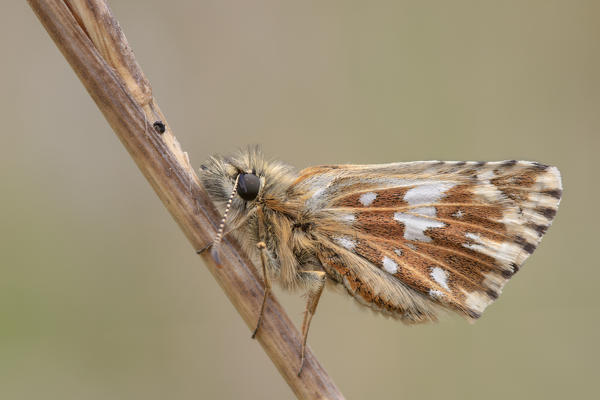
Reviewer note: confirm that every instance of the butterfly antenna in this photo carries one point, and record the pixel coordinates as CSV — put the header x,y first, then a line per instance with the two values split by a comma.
x,y
214,251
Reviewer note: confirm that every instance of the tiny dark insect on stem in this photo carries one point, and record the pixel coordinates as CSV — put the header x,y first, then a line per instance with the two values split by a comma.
x,y
159,127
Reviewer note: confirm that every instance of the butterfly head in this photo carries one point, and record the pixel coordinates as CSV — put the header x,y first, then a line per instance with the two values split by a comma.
x,y
230,181
247,179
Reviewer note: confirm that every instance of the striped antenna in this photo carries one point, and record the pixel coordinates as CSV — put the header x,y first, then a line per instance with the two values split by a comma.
x,y
214,251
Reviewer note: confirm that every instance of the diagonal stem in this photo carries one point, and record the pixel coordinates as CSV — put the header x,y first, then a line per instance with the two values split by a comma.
x,y
91,40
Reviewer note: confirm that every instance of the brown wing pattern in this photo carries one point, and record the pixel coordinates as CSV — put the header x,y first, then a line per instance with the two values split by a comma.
x,y
446,233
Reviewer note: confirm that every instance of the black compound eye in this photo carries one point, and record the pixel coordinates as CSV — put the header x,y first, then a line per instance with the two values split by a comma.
x,y
248,186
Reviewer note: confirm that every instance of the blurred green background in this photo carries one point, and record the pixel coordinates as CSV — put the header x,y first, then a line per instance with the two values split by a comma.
x,y
102,297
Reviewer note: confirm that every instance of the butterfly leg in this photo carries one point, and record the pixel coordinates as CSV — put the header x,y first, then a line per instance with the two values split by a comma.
x,y
316,280
263,258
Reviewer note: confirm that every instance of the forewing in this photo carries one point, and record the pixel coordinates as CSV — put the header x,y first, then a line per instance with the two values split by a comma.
x,y
453,232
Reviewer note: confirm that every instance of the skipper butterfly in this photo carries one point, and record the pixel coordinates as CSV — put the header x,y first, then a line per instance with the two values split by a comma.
x,y
405,239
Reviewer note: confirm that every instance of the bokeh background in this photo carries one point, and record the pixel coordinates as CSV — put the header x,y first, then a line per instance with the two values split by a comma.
x,y
101,296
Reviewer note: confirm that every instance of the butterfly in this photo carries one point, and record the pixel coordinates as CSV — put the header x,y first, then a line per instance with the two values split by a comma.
x,y
407,239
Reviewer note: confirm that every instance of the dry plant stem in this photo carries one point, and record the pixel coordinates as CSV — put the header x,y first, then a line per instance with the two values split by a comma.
x,y
91,40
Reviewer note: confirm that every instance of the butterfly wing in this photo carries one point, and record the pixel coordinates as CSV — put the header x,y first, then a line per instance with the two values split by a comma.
x,y
405,238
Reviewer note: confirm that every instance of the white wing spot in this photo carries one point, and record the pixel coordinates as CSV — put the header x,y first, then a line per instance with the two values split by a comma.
x,y
346,242
415,225
425,211
366,199
458,214
473,236
440,276
428,193
398,252
504,252
436,294
390,265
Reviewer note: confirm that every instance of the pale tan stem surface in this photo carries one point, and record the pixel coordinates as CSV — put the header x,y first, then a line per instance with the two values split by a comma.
x,y
91,40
